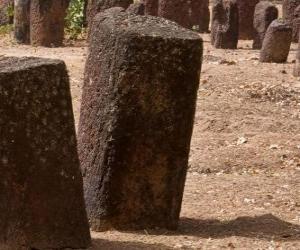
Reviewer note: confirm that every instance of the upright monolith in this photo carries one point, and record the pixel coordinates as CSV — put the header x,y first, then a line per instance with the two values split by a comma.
x,y
175,10
199,15
288,14
47,22
22,21
151,7
225,24
41,194
136,121
277,42
297,64
246,15
265,13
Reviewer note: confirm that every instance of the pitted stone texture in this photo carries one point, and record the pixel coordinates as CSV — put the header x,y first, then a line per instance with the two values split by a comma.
x,y
246,16
22,21
288,13
151,7
41,195
296,24
96,6
265,13
47,22
175,10
136,9
297,65
5,5
200,15
225,24
139,95
277,42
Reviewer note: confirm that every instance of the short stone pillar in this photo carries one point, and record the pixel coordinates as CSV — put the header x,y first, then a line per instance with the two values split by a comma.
x,y
246,15
225,24
277,42
136,9
199,15
151,7
288,14
47,22
175,10
297,64
265,13
96,6
41,194
136,120
22,21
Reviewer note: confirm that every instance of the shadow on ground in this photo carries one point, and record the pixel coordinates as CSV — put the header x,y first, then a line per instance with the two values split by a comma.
x,y
262,227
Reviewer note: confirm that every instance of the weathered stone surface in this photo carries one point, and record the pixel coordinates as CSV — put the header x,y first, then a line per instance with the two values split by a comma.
x,y
22,21
136,9
265,13
151,7
200,15
288,13
47,22
175,10
246,15
136,120
296,24
96,6
225,24
41,195
6,16
297,65
277,42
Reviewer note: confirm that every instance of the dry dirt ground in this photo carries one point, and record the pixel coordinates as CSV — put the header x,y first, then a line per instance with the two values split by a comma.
x,y
243,186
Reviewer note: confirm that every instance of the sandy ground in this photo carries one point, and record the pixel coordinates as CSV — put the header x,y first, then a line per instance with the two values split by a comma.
x,y
243,186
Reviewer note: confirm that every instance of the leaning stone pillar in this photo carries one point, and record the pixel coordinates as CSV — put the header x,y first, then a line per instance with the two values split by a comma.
x,y
41,194
136,121
277,42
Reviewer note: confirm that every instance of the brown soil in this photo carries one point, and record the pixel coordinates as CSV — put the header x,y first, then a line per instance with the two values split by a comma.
x,y
243,187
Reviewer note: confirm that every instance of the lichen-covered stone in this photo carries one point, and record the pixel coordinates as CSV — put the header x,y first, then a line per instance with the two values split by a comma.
x,y
136,120
151,7
277,42
22,21
6,12
288,13
199,15
96,6
175,10
246,15
41,195
225,24
47,22
265,13
136,9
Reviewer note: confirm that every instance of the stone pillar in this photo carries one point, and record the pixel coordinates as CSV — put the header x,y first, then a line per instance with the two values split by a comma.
x,y
175,10
96,6
47,22
225,24
246,16
22,21
151,7
277,42
288,12
200,15
136,121
265,13
41,194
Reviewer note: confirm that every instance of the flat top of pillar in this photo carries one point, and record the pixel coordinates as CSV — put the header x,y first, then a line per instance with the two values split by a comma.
x,y
144,25
13,64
